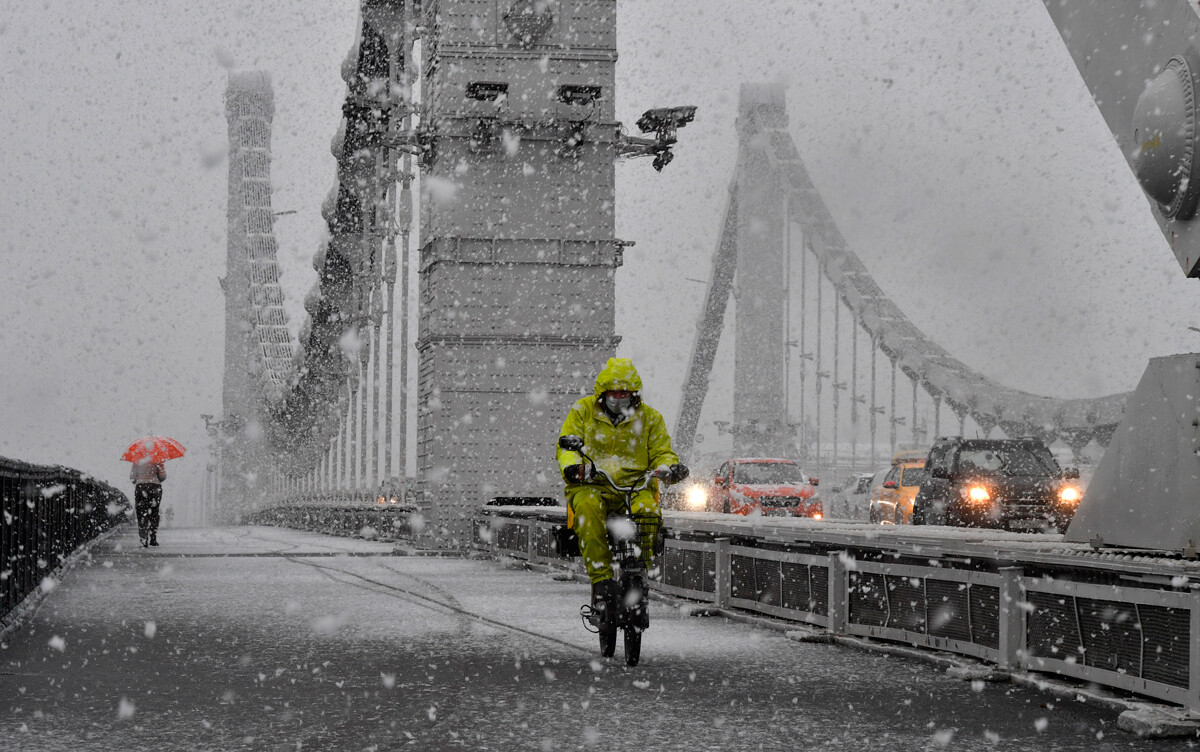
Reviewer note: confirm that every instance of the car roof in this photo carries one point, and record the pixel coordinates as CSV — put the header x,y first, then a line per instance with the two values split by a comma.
x,y
998,443
909,455
761,461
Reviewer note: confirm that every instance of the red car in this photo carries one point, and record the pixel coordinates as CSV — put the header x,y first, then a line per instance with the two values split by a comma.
x,y
767,487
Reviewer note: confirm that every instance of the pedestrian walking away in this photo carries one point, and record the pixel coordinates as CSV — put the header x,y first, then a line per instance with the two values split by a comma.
x,y
147,477
147,456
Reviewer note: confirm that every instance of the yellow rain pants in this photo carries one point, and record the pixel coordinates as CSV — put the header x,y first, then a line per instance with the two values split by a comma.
x,y
590,507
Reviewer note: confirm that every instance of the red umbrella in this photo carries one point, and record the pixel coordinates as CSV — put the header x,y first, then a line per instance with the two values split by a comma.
x,y
157,448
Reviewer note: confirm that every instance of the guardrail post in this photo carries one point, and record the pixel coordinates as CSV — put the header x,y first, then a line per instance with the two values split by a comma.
x,y
1193,695
484,533
531,540
724,574
1012,618
839,595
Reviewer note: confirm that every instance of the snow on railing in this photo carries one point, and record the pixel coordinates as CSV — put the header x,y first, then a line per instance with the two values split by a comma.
x,y
48,512
363,514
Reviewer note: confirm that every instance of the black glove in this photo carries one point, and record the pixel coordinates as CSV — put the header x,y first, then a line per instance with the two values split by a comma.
x,y
679,471
579,473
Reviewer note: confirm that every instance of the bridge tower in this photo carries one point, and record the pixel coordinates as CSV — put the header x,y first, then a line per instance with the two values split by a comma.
x,y
759,415
518,253
258,351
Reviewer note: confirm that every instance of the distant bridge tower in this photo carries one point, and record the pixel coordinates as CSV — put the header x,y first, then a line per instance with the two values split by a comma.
x,y
760,385
518,253
258,351
774,199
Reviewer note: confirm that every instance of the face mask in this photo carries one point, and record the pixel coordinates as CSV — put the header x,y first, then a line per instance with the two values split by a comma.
x,y
618,406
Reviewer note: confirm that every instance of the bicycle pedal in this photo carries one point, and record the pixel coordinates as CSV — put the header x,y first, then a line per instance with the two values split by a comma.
x,y
591,618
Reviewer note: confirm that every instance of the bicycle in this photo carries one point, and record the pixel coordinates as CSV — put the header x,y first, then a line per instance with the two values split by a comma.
x,y
626,531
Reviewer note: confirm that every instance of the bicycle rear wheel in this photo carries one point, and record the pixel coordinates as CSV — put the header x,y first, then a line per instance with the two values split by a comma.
x,y
633,645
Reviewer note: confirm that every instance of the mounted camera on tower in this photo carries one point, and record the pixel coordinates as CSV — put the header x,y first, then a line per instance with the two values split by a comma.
x,y
663,122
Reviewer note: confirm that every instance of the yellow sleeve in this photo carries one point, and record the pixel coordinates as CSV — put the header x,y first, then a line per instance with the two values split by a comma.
x,y
574,425
659,441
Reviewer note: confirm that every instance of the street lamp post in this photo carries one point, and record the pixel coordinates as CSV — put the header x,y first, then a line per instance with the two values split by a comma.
x,y
213,429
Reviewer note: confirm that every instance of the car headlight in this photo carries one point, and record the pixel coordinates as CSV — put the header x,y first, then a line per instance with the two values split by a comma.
x,y
978,494
697,497
1069,495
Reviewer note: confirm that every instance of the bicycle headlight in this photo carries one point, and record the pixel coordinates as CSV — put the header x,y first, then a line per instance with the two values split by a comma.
x,y
1069,495
697,497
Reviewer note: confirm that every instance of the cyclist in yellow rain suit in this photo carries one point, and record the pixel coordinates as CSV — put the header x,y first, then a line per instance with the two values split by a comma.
x,y
626,438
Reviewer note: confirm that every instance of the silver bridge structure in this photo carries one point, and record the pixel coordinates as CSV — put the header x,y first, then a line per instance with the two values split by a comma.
x,y
317,414
793,266
513,145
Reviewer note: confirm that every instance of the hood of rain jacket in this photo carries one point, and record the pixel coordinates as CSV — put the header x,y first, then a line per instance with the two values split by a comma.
x,y
618,374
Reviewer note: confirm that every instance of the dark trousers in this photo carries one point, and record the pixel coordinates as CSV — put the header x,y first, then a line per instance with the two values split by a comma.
x,y
147,497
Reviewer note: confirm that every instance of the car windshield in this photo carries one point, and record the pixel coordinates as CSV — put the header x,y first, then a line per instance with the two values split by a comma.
x,y
1013,460
913,476
768,473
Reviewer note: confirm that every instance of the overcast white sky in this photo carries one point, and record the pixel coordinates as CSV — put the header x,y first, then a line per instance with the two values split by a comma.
x,y
957,147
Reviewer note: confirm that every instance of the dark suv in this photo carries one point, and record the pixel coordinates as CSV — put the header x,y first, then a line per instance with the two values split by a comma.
x,y
1014,484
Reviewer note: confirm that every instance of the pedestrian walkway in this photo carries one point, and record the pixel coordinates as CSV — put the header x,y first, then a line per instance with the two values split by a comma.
x,y
263,638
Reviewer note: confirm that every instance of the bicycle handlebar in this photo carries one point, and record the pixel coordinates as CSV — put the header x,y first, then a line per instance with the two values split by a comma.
x,y
578,449
642,484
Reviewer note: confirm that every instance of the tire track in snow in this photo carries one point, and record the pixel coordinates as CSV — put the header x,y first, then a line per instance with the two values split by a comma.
x,y
433,604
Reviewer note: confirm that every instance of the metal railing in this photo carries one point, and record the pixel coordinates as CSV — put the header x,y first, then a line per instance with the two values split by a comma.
x,y
48,512
1100,619
345,513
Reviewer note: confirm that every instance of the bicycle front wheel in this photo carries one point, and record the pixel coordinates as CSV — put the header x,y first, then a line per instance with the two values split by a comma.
x,y
633,645
608,639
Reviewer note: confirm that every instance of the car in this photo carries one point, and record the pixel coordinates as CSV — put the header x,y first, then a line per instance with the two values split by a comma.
x,y
892,499
765,486
1013,484
850,498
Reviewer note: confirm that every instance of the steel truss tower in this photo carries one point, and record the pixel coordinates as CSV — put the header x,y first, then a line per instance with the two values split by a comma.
x,y
258,349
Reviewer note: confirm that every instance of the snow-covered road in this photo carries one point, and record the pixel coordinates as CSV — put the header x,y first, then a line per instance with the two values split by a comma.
x,y
261,638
